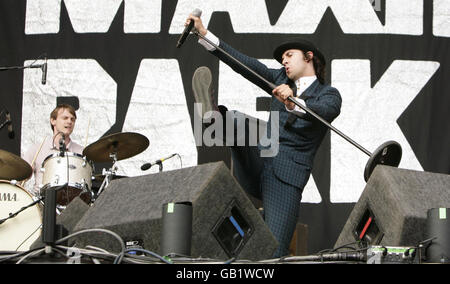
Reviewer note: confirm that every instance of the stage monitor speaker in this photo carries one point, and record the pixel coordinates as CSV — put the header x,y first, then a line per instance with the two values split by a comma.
x,y
225,224
392,210
72,214
68,218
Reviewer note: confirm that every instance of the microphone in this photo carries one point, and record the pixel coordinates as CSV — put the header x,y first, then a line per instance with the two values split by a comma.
x,y
62,145
11,133
197,12
44,72
147,166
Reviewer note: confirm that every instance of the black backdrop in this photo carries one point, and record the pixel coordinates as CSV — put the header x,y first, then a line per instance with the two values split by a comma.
x,y
424,122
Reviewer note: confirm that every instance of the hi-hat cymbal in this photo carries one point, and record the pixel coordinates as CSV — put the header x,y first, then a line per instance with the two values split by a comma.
x,y
123,144
13,167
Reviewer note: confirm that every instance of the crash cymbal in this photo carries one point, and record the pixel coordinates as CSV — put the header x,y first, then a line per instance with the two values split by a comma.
x,y
13,167
124,144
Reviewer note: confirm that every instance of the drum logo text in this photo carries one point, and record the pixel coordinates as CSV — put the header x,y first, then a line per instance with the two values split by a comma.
x,y
8,197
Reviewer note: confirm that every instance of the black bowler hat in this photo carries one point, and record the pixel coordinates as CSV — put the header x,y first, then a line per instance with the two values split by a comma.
x,y
298,43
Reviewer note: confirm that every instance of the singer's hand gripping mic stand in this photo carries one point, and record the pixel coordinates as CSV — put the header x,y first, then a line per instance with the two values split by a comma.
x,y
389,153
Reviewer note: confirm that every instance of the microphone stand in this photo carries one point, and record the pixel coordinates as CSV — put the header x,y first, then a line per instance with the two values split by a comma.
x,y
160,164
32,65
389,153
21,67
6,123
108,174
62,146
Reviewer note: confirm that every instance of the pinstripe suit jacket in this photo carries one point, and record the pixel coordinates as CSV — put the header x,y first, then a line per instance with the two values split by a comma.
x,y
300,139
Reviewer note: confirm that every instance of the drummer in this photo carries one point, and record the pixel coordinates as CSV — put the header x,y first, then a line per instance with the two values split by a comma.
x,y
62,122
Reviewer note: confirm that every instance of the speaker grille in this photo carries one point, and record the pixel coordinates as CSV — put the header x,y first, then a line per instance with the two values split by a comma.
x,y
132,208
399,199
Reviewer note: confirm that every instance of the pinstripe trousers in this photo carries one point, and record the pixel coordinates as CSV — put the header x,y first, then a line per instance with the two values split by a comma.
x,y
281,201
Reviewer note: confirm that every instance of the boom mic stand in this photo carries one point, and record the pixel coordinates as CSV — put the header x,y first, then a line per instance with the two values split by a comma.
x,y
5,123
43,67
389,153
31,66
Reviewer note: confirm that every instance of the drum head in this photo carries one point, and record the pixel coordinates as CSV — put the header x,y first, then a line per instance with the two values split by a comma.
x,y
18,233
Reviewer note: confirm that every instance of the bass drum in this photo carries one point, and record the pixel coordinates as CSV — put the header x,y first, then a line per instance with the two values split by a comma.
x,y
19,232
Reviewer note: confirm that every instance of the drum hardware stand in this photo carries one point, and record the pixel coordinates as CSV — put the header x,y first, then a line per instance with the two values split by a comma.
x,y
108,173
389,153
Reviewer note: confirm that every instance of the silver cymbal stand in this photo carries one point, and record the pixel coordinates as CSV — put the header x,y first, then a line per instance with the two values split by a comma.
x,y
108,173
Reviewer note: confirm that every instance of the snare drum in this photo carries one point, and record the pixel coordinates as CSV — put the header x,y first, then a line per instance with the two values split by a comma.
x,y
19,232
73,169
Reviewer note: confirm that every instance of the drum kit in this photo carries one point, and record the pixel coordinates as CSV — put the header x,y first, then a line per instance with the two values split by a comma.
x,y
70,174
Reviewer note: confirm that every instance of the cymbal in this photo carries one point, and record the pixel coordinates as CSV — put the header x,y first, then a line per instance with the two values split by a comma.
x,y
13,167
124,144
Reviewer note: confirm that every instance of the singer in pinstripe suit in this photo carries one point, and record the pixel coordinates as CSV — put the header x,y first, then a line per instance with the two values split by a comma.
x,y
282,178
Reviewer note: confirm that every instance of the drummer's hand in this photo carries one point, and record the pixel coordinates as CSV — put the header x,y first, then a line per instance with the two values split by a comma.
x,y
197,24
282,93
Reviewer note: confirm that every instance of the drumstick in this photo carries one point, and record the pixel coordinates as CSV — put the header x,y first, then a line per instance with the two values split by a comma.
x,y
34,159
87,132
